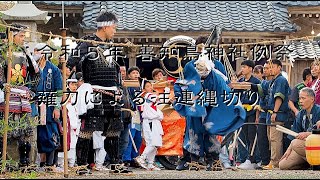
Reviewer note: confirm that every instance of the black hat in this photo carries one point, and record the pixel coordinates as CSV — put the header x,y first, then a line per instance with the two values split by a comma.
x,y
79,76
143,82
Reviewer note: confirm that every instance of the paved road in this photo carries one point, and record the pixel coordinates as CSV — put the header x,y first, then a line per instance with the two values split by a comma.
x,y
202,174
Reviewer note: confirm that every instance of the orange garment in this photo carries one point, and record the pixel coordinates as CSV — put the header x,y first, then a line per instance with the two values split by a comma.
x,y
173,127
219,138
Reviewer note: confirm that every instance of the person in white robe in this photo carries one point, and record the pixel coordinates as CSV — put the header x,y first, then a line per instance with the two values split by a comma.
x,y
75,123
151,128
84,103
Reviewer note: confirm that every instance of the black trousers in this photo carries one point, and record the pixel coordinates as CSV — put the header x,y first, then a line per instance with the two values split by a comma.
x,y
247,135
288,124
82,151
263,142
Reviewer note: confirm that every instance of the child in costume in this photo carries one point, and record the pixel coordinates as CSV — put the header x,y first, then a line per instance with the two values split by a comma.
x,y
151,127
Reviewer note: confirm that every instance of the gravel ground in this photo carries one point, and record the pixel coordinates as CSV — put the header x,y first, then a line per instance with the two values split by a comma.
x,y
170,174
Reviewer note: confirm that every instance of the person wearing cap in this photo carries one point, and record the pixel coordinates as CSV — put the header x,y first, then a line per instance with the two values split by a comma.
x,y
151,127
84,104
48,136
24,79
73,127
74,120
306,120
248,99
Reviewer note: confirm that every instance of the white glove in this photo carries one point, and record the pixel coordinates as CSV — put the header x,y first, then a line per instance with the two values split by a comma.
x,y
166,90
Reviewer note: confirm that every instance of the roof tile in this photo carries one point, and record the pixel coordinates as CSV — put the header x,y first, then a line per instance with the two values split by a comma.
x,y
304,50
261,16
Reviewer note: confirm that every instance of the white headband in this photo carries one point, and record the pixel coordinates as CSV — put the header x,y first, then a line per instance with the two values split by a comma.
x,y
105,23
16,31
72,80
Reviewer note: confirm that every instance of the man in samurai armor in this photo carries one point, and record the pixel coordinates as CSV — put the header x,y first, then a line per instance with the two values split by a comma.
x,y
23,85
103,73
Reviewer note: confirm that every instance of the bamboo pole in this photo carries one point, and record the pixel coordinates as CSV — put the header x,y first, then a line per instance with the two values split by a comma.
x,y
254,144
7,90
64,108
285,130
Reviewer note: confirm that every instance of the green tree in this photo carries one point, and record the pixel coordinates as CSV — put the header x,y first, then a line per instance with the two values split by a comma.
x,y
2,28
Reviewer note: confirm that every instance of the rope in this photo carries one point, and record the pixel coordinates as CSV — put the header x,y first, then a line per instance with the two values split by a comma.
x,y
227,64
129,44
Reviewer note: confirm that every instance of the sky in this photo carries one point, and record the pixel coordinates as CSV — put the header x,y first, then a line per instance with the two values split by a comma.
x,y
58,42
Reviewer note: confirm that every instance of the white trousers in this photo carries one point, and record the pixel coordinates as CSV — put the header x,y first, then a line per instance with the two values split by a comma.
x,y
98,145
71,158
71,153
150,151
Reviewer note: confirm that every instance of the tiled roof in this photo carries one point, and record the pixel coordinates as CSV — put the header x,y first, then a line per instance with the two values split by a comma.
x,y
299,3
66,3
304,49
261,16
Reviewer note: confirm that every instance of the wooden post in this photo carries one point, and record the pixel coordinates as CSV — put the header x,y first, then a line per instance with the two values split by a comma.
x,y
287,68
7,91
289,73
64,108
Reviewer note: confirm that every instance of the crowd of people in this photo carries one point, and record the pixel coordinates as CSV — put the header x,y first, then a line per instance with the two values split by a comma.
x,y
111,136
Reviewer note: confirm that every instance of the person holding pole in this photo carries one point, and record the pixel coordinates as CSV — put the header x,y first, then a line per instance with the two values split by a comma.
x,y
249,133
84,104
135,141
277,109
125,115
22,77
101,69
307,118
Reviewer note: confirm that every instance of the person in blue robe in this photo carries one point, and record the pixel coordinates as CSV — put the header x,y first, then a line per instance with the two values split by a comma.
x,y
249,99
306,121
277,109
49,92
205,120
135,128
